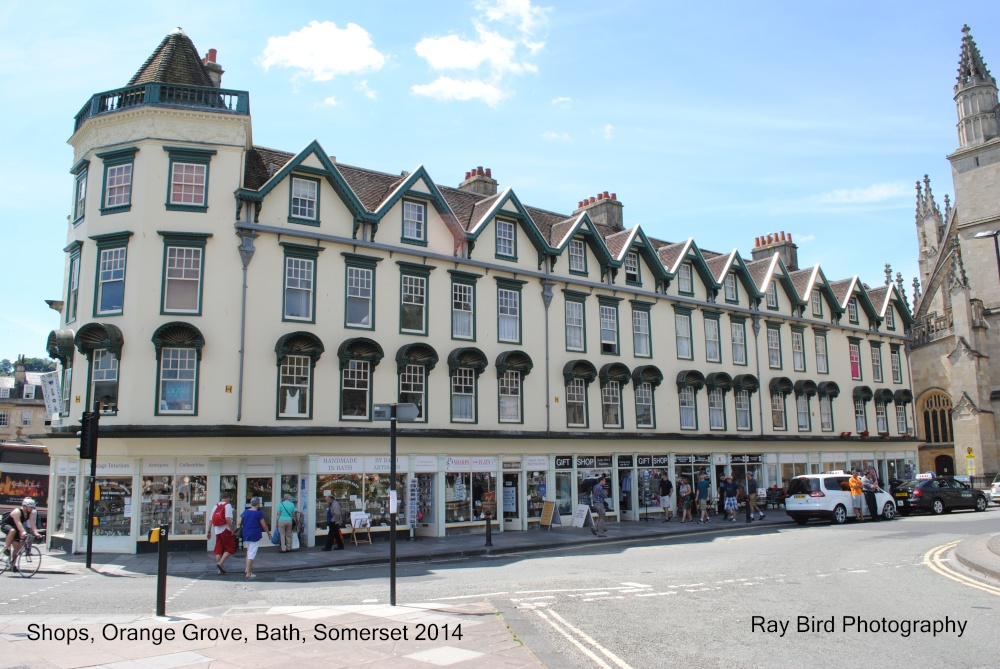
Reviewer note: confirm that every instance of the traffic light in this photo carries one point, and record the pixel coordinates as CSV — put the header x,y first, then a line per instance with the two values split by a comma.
x,y
88,435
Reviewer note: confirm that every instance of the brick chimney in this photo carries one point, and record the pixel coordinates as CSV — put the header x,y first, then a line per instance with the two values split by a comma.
x,y
603,209
767,245
478,180
215,70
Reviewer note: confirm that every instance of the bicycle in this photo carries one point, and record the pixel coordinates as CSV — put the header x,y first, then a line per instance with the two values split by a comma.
x,y
28,558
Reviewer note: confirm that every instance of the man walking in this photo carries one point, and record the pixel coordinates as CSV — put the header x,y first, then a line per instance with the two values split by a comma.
x,y
334,514
222,528
666,491
704,491
868,488
597,496
752,497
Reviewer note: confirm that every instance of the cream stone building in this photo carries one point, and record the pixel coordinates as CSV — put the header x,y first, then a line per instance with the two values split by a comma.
x,y
240,344
952,349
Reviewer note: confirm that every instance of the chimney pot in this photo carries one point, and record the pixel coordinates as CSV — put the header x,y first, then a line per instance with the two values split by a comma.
x,y
479,171
593,199
614,196
770,238
467,175
211,55
606,196
789,238
600,196
782,235
756,242
489,172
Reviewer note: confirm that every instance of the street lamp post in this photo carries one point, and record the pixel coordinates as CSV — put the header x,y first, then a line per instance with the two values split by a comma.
x,y
996,244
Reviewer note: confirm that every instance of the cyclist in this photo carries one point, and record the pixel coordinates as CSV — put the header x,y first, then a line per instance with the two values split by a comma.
x,y
16,525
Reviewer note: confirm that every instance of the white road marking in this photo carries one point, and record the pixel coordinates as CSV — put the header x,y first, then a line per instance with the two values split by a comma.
x,y
486,594
583,635
583,649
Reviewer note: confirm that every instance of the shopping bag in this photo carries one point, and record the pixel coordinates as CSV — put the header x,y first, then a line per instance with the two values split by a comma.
x,y
276,537
295,542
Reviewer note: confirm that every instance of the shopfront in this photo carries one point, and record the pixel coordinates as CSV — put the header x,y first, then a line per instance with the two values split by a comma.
x,y
589,470
564,487
173,493
470,492
648,469
690,467
423,496
523,491
361,484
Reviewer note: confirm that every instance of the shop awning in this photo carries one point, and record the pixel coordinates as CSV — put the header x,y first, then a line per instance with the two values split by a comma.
x,y
468,357
903,396
747,382
883,396
780,385
690,378
184,335
614,371
417,354
93,336
829,389
60,346
650,374
719,381
579,369
863,393
514,361
360,348
805,387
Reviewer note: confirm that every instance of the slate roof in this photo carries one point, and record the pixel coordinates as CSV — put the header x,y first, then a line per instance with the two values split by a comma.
x,y
840,289
616,242
30,379
258,159
717,266
462,203
559,230
669,254
545,220
877,296
480,208
758,270
371,187
175,61
800,279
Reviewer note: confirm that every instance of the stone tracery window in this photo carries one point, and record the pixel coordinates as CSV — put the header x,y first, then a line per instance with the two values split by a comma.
x,y
936,411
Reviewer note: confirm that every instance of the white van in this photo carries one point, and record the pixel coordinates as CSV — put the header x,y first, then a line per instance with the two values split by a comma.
x,y
828,496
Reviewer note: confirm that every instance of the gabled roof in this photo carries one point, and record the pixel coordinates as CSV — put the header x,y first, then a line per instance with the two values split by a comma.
x,y
671,254
371,187
847,288
760,270
561,233
803,279
819,281
175,61
261,163
766,269
842,290
462,203
884,296
489,208
637,240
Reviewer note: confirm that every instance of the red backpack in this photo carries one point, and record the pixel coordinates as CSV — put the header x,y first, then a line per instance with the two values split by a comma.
x,y
219,515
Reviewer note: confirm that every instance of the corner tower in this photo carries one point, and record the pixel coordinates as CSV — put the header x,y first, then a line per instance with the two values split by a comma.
x,y
975,96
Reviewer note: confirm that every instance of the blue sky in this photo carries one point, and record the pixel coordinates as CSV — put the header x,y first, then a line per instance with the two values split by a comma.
x,y
718,120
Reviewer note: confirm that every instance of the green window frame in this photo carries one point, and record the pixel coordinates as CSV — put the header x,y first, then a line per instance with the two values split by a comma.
x,y
685,279
104,377
712,324
509,310
303,200
744,415
826,413
645,405
575,315
890,318
854,357
642,329
82,172
109,279
296,355
803,415
779,415
511,385
774,345
732,290
178,369
119,177
577,252
822,353
798,349
682,333
717,410
463,305
187,178
876,362
633,269
299,276
895,363
359,291
772,296
506,239
183,265
817,303
687,406
738,334
465,390
73,281
414,298
610,330
577,411
413,228
611,405
852,311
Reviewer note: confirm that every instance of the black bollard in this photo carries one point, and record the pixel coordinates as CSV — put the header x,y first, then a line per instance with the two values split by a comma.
x,y
161,573
489,530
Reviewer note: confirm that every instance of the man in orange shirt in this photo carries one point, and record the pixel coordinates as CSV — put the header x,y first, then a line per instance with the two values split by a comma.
x,y
856,495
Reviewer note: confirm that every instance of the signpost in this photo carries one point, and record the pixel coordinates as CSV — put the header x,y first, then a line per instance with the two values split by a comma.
x,y
393,413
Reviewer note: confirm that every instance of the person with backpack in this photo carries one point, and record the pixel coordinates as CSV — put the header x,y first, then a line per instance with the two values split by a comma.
x,y
666,490
286,516
222,529
254,528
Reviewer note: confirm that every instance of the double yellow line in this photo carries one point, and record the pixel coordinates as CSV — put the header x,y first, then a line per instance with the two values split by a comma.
x,y
935,560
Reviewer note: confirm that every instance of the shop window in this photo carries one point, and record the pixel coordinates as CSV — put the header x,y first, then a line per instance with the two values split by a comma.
x,y
156,503
465,493
190,505
110,519
65,505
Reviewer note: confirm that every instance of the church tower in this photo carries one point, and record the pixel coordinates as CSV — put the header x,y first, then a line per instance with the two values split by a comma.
x,y
975,96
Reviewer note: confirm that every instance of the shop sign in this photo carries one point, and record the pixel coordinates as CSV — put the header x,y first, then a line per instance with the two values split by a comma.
x,y
379,464
745,459
644,461
339,464
115,468
536,462
624,462
585,461
511,464
189,466
703,459
67,467
424,463
158,466
661,460
457,463
564,462
260,466
510,499
604,461
483,463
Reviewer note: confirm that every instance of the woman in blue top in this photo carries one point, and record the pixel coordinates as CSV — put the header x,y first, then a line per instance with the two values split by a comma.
x,y
286,512
254,528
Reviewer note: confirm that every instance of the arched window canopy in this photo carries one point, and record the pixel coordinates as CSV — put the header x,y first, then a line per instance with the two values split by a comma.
x,y
650,374
416,354
690,378
805,387
299,343
360,348
884,396
747,382
829,389
863,393
93,336
614,371
469,357
513,361
780,385
903,396
180,335
579,369
719,381
60,346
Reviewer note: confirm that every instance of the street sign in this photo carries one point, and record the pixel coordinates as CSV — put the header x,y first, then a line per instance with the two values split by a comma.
x,y
405,413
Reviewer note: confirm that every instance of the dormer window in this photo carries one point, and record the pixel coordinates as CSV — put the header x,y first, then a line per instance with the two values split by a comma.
x,y
890,319
414,222
632,268
772,295
684,283
732,294
304,205
817,303
852,310
506,244
577,256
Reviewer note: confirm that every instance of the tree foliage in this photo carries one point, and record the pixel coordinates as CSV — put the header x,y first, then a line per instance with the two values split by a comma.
x,y
30,365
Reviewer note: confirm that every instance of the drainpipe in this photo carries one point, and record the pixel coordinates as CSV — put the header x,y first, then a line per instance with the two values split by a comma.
x,y
547,286
755,326
246,250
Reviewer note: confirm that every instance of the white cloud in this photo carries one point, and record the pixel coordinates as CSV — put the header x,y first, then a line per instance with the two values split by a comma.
x,y
330,101
529,18
561,101
322,51
369,93
873,193
608,131
805,239
446,88
562,136
455,53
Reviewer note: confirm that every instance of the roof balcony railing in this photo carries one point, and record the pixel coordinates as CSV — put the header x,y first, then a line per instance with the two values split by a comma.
x,y
165,95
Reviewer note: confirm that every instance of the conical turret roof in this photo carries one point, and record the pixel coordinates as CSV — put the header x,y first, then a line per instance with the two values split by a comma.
x,y
175,61
971,68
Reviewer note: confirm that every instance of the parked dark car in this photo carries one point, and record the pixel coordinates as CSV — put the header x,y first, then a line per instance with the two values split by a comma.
x,y
938,495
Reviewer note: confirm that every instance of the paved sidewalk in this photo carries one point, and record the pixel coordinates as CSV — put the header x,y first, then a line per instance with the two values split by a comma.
x,y
467,545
